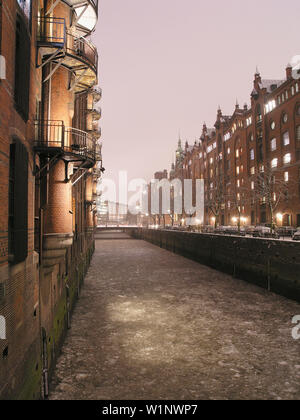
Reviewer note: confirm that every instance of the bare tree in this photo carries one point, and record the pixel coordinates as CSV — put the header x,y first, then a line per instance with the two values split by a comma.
x,y
216,198
270,189
238,200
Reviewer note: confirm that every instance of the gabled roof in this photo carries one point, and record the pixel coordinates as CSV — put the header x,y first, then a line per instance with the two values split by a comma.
x,y
270,84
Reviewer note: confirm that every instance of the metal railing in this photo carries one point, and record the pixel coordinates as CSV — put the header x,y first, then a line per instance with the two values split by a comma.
x,y
96,172
79,142
97,93
51,30
54,135
98,152
96,112
94,3
49,134
83,49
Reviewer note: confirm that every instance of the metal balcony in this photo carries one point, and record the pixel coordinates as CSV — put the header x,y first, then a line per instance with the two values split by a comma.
x,y
97,94
95,131
53,138
51,31
95,112
59,46
97,173
86,12
98,153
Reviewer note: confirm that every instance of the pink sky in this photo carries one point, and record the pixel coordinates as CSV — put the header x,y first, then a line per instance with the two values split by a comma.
x,y
166,65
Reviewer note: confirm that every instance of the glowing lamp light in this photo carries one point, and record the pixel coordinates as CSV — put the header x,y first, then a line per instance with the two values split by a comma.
x,y
234,219
279,217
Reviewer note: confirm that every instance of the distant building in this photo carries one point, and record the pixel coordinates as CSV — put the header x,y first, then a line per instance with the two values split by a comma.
x,y
111,213
250,160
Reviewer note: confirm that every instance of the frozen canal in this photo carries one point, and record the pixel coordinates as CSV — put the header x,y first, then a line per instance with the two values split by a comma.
x,y
154,325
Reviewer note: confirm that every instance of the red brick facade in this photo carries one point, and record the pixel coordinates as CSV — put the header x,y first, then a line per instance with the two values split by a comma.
x,y
43,261
250,160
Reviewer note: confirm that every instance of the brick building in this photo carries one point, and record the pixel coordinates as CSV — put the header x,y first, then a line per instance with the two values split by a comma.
x,y
250,160
50,161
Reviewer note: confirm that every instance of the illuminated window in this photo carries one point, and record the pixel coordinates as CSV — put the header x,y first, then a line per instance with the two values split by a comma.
x,y
274,163
286,176
287,158
270,106
237,153
285,117
286,138
238,170
273,144
252,154
252,185
228,151
273,125
252,170
227,136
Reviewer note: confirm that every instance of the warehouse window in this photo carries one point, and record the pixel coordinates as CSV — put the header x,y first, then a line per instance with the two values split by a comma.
x,y
298,137
273,144
286,138
287,158
18,202
22,68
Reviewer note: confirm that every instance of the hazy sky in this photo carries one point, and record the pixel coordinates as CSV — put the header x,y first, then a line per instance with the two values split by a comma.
x,y
166,65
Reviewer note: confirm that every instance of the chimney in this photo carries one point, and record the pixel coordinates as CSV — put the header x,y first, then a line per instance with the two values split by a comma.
x,y
257,78
289,72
